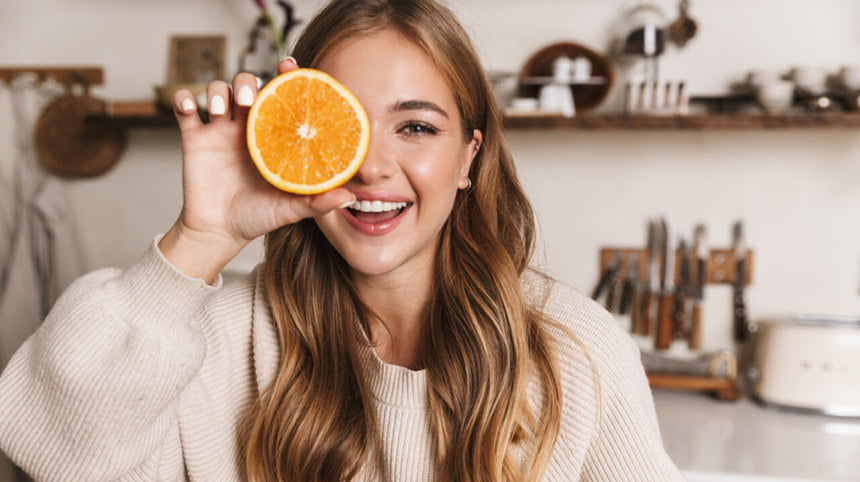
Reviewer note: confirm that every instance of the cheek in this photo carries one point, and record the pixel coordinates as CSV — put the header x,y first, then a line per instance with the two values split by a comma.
x,y
437,170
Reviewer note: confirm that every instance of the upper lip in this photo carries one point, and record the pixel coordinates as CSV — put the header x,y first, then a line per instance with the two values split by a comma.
x,y
379,196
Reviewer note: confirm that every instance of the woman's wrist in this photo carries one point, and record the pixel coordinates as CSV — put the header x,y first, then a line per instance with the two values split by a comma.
x,y
198,255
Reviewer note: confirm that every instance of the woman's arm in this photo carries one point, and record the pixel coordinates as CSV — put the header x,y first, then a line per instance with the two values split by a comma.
x,y
93,394
627,444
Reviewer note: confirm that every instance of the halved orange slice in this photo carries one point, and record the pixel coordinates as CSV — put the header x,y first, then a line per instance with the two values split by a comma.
x,y
306,132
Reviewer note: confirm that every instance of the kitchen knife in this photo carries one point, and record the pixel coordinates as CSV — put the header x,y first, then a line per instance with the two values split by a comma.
x,y
631,279
652,280
679,304
701,249
636,301
607,274
739,309
613,293
667,290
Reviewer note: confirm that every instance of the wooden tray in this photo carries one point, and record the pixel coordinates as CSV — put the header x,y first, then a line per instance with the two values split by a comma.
x,y
721,388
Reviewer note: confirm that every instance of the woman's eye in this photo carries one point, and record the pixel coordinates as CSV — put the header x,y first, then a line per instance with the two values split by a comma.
x,y
418,128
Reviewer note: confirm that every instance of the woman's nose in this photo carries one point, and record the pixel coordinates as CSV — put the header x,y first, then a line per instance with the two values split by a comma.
x,y
380,162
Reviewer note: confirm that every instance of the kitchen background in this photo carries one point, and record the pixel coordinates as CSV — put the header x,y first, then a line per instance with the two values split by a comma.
x,y
797,191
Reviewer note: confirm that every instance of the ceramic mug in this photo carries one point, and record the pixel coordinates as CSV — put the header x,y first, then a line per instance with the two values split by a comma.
x,y
776,96
562,67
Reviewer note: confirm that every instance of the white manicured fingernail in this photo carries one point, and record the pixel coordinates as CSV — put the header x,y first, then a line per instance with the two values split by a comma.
x,y
217,105
245,96
347,204
187,105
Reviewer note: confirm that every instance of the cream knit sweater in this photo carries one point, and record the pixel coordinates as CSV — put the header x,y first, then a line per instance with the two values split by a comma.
x,y
146,375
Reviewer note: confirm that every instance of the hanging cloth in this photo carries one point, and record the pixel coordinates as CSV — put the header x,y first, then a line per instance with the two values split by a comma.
x,y
43,252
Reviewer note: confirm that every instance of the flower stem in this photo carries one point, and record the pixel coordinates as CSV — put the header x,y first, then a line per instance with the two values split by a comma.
x,y
277,35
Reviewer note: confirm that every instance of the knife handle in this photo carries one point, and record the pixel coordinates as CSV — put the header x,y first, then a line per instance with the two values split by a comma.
x,y
740,315
646,320
626,297
696,328
635,309
612,294
679,315
739,307
601,283
664,322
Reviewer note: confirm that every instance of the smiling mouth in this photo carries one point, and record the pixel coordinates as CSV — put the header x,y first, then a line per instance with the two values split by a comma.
x,y
373,212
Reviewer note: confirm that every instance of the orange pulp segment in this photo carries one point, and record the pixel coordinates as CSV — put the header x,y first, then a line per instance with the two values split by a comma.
x,y
307,133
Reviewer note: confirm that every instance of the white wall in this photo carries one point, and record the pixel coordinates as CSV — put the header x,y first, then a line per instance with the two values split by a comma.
x,y
798,191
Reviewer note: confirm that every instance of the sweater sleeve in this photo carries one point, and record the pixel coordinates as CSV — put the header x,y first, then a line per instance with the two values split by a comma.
x,y
94,393
627,443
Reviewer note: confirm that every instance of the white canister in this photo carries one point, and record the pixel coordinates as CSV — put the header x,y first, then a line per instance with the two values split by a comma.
x,y
555,97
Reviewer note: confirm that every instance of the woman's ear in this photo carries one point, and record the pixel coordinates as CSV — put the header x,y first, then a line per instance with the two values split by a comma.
x,y
472,150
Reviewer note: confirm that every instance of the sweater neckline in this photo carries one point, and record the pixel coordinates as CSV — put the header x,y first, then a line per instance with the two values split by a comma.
x,y
393,385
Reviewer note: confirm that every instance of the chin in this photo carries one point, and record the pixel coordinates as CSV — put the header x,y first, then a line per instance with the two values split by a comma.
x,y
369,264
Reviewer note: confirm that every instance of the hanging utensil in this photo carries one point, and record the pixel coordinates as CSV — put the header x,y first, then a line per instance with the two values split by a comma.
x,y
606,276
739,309
684,28
700,248
680,330
651,289
665,320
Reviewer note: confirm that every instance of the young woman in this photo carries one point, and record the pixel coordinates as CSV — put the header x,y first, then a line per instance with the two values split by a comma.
x,y
411,344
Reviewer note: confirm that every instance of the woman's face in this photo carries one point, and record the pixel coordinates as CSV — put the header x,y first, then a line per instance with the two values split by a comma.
x,y
416,161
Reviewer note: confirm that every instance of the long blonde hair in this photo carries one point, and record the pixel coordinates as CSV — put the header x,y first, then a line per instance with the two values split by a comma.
x,y
484,341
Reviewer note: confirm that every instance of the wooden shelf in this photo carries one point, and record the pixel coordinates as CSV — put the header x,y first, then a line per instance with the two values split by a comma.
x,y
147,114
135,114
691,122
90,75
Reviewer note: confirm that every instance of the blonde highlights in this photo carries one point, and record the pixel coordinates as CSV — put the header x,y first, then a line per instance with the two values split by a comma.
x,y
484,342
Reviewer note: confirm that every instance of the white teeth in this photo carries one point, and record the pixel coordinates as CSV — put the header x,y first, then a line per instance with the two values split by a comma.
x,y
376,206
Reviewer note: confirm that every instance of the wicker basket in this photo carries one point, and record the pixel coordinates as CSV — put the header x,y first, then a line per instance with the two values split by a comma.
x,y
68,146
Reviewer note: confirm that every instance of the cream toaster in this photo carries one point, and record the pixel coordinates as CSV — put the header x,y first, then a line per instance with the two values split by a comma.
x,y
808,363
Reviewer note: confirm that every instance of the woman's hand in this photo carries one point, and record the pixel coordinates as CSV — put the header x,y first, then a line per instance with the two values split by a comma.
x,y
226,202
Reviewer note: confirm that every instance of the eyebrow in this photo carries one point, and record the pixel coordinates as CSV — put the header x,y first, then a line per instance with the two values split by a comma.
x,y
405,105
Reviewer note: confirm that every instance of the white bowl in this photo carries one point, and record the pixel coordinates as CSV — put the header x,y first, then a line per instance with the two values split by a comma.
x,y
776,96
757,78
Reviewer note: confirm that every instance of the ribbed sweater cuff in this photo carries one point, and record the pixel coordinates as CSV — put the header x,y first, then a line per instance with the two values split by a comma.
x,y
154,290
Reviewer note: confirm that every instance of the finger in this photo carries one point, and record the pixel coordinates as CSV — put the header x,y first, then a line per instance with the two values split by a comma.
x,y
287,65
338,198
185,110
294,208
245,90
218,95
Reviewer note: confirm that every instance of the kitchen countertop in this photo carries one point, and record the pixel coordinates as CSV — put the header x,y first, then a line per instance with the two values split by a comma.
x,y
743,441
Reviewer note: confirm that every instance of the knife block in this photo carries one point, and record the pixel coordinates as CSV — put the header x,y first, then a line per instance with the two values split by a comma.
x,y
720,264
721,268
